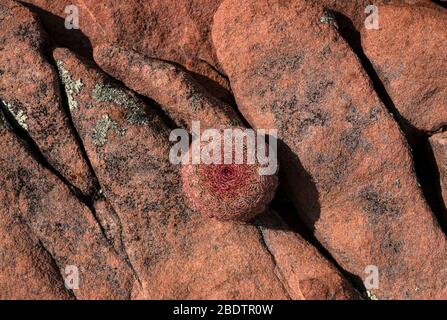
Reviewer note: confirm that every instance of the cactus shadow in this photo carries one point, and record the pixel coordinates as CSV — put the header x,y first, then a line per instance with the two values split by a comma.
x,y
296,204
54,25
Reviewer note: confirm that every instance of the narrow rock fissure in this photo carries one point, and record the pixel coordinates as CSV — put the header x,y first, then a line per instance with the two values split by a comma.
x,y
35,151
57,267
442,3
122,242
66,109
425,168
287,211
215,70
277,271
282,204
90,200
123,245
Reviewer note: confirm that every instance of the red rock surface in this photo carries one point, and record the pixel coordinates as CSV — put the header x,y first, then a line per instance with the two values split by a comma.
x,y
176,31
175,90
303,270
31,94
408,53
345,162
27,270
65,227
438,144
355,10
162,236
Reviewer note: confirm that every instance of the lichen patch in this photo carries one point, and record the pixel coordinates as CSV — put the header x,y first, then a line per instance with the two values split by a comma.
x,y
106,123
112,94
72,87
18,114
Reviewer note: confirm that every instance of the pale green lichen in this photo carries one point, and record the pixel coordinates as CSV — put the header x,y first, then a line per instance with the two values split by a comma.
x,y
326,51
329,18
194,102
101,129
113,94
72,87
18,114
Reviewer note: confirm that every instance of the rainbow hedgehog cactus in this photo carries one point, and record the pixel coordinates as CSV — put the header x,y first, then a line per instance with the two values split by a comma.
x,y
228,191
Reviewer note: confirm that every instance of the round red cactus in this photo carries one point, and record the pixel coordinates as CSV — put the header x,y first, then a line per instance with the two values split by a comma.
x,y
228,191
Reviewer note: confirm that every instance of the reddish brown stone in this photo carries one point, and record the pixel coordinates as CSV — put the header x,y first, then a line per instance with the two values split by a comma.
x,y
345,161
176,31
27,271
128,147
409,54
355,10
303,270
64,226
52,16
175,90
438,143
29,88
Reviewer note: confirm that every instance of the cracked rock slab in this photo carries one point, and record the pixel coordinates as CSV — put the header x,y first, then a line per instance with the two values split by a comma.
x,y
176,31
64,226
161,234
438,144
27,270
175,90
344,160
29,88
409,55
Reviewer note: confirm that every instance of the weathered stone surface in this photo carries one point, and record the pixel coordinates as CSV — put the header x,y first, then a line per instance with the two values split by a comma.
x,y
27,271
176,31
345,161
303,270
52,14
408,52
355,10
64,226
129,150
438,143
175,90
29,88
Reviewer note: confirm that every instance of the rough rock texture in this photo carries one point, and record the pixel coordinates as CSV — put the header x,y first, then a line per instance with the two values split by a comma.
x,y
27,270
129,150
355,10
176,31
408,52
52,16
346,164
65,227
175,90
438,143
303,270
29,88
